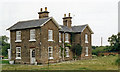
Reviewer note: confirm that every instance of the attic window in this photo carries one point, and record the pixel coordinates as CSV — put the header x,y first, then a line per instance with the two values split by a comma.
x,y
18,36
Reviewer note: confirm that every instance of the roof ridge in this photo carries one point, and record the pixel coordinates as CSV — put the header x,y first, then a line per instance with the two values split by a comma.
x,y
33,20
80,25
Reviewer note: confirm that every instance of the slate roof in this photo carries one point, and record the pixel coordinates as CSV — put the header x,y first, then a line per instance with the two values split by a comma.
x,y
65,29
79,28
29,24
40,22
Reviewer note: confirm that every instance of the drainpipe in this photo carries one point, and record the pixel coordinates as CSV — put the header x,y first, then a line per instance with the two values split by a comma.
x,y
63,46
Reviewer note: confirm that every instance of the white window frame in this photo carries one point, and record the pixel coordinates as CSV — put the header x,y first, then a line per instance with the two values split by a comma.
x,y
59,37
18,52
66,38
86,38
50,52
18,36
86,51
50,35
32,35
67,51
60,52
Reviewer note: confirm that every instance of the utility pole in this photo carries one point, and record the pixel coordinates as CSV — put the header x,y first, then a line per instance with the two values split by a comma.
x,y
101,41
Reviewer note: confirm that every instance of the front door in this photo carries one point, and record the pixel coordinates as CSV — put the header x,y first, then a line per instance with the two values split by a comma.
x,y
32,56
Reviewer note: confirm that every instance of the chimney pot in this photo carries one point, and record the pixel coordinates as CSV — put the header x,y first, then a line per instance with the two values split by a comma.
x,y
69,15
45,8
64,15
41,9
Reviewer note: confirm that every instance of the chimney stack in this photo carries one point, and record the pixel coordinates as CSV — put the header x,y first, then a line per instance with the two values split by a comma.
x,y
43,14
67,20
41,9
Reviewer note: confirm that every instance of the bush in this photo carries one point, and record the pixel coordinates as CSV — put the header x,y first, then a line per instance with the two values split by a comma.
x,y
117,62
101,54
76,49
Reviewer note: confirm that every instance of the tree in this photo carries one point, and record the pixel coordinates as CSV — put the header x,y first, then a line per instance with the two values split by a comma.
x,y
4,45
77,50
114,42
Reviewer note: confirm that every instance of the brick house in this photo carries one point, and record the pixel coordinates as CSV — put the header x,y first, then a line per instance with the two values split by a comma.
x,y
40,40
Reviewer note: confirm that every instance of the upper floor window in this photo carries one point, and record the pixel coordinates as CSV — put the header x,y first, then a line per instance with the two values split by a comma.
x,y
18,36
86,51
66,38
59,37
32,35
86,38
50,35
67,51
50,52
18,52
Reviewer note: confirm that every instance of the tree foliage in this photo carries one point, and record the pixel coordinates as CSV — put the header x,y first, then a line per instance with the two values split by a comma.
x,y
76,49
114,42
4,45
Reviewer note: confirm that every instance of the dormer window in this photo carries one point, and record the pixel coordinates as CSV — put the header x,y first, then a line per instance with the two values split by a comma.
x,y
86,38
66,38
18,36
32,35
50,35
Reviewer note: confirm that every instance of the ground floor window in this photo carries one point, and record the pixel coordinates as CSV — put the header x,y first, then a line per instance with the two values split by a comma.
x,y
50,52
67,51
86,51
18,52
60,52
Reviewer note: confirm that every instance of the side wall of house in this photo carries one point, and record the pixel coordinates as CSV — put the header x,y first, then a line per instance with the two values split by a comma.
x,y
84,45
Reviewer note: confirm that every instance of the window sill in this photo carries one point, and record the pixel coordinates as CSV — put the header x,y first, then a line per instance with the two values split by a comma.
x,y
67,56
86,41
60,41
50,57
32,40
18,57
50,40
86,55
66,41
18,41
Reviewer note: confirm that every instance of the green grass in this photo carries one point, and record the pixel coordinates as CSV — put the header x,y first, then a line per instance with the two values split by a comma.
x,y
98,63
4,62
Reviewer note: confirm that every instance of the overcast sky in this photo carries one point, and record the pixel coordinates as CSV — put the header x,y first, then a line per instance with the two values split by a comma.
x,y
100,15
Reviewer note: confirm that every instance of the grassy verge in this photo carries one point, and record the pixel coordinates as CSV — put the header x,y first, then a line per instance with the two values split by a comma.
x,y
4,62
98,63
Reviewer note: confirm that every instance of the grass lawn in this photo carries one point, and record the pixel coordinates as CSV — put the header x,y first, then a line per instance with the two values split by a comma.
x,y
98,63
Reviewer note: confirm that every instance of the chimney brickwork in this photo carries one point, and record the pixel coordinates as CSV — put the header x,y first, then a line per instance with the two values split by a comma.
x,y
43,14
67,20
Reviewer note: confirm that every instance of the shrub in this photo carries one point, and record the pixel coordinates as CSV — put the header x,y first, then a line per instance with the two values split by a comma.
x,y
117,62
76,49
